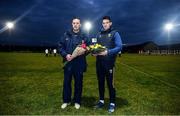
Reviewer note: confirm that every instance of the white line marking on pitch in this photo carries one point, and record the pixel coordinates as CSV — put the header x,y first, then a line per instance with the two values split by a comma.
x,y
152,76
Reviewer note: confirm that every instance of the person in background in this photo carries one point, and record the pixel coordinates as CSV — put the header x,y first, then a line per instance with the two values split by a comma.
x,y
54,52
46,52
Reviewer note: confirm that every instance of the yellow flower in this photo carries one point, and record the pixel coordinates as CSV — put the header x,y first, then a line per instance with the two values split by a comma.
x,y
91,46
96,47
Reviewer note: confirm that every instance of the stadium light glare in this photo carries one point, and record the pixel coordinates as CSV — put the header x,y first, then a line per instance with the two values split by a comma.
x,y
87,26
10,25
169,26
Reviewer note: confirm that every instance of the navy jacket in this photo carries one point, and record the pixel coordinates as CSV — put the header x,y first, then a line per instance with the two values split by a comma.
x,y
67,45
112,40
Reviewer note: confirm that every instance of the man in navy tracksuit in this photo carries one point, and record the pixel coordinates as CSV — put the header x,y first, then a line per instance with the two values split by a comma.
x,y
75,67
105,61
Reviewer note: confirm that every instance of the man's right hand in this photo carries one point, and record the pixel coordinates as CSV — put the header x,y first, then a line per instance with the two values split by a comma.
x,y
68,57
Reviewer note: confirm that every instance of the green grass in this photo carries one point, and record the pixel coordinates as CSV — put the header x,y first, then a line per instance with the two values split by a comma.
x,y
32,84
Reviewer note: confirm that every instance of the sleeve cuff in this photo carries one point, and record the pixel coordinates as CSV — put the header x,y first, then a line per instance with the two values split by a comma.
x,y
108,52
64,55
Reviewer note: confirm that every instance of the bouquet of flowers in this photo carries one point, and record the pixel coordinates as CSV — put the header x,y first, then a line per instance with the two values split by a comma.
x,y
79,50
96,48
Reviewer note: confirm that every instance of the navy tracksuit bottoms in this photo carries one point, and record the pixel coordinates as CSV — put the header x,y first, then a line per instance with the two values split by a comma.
x,y
104,70
69,73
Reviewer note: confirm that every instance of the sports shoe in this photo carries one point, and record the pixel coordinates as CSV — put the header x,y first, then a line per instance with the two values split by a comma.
x,y
64,105
111,108
77,106
99,105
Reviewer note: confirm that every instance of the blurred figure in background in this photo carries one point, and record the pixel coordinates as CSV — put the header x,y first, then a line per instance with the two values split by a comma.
x,y
54,52
46,52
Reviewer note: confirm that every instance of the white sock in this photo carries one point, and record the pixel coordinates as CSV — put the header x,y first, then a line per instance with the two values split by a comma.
x,y
102,101
113,104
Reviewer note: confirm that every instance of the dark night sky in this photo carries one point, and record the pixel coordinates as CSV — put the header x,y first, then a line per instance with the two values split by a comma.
x,y
43,22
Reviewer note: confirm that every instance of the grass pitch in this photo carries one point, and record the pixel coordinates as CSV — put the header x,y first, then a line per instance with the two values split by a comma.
x,y
31,83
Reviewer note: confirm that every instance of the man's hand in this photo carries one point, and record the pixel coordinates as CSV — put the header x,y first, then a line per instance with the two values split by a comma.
x,y
103,53
69,57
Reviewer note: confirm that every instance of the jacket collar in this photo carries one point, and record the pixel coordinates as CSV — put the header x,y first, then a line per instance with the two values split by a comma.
x,y
71,32
107,31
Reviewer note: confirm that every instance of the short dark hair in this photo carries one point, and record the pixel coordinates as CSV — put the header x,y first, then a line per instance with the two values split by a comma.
x,y
106,17
75,17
